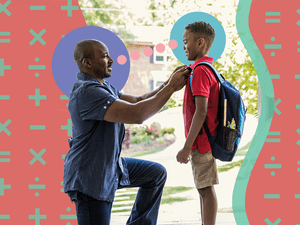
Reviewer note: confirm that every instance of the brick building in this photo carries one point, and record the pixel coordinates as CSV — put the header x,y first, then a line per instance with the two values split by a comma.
x,y
147,73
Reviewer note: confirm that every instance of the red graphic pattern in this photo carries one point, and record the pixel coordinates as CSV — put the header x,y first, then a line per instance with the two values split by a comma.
x,y
284,63
19,205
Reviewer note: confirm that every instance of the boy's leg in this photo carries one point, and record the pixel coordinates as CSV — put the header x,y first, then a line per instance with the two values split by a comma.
x,y
201,208
205,176
209,205
150,177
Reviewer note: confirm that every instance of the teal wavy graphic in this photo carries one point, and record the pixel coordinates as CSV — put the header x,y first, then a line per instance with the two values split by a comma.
x,y
267,109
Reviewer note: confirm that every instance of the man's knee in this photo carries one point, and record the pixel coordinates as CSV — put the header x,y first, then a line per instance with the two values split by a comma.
x,y
161,172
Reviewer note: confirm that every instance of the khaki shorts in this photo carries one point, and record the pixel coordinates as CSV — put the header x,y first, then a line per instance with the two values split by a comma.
x,y
204,169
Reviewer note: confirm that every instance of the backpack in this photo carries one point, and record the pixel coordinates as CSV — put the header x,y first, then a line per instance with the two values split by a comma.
x,y
231,117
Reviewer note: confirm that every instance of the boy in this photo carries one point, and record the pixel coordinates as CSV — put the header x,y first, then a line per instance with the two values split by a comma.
x,y
198,38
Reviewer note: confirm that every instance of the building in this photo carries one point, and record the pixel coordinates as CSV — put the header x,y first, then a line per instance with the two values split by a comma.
x,y
147,73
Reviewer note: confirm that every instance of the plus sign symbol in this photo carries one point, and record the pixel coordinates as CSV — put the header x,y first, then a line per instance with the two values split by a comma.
x,y
37,217
3,186
69,8
3,67
37,97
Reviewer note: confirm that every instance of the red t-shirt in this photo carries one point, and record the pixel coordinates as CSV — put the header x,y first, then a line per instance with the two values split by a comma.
x,y
204,84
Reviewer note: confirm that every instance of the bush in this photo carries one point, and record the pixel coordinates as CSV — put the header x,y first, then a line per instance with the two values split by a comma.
x,y
138,139
171,103
160,140
145,135
169,130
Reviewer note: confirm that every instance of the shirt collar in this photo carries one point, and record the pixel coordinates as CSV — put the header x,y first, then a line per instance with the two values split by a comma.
x,y
86,77
202,59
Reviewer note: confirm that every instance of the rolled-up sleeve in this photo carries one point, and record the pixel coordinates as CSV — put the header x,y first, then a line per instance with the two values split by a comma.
x,y
94,102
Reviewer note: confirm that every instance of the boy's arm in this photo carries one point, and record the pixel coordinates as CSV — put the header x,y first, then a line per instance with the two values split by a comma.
x,y
197,122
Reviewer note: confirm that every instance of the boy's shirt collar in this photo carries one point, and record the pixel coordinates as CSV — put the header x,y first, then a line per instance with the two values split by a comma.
x,y
202,59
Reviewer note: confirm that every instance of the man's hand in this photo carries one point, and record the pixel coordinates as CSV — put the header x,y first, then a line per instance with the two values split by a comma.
x,y
183,156
177,68
178,78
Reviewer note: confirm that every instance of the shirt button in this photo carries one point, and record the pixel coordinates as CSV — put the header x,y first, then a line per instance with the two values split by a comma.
x,y
108,102
104,107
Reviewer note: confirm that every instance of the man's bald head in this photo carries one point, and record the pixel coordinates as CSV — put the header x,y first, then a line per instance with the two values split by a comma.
x,y
84,49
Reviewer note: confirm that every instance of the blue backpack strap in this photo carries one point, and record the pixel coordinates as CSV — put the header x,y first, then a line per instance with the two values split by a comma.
x,y
216,73
219,79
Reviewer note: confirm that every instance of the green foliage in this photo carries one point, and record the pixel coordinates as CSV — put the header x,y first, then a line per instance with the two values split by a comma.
x,y
145,134
170,130
124,34
160,140
243,76
173,190
166,197
171,103
96,18
229,166
102,18
173,3
137,139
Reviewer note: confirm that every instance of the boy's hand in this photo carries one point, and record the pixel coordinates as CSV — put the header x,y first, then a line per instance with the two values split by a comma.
x,y
183,156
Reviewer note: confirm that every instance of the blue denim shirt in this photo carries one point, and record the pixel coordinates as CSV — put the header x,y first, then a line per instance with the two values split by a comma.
x,y
93,164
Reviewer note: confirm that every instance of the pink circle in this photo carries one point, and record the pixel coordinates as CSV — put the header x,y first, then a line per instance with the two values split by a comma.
x,y
173,44
148,51
135,55
122,59
160,47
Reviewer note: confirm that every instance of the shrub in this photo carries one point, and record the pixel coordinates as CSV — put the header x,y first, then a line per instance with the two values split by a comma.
x,y
145,135
169,130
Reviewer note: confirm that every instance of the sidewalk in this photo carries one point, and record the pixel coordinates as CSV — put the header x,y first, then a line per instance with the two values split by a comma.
x,y
188,212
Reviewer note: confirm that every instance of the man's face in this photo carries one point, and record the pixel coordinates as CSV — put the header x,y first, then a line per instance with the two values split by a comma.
x,y
191,46
101,64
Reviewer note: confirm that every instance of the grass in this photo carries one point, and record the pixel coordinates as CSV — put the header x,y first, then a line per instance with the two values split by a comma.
x,y
227,210
240,152
229,166
141,153
243,151
166,197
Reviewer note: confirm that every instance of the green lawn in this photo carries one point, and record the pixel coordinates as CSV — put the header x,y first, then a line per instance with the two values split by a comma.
x,y
166,197
229,166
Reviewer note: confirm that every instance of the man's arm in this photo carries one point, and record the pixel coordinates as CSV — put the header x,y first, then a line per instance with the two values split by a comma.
x,y
197,123
135,99
125,112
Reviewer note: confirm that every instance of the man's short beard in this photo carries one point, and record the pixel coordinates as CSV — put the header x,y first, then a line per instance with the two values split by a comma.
x,y
107,75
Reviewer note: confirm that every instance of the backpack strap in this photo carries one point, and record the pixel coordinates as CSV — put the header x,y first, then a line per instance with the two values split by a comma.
x,y
219,78
206,129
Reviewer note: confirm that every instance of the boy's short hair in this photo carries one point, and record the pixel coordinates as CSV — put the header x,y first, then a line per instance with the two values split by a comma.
x,y
203,29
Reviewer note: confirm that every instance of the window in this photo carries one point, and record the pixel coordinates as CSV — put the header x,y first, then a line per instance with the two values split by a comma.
x,y
162,57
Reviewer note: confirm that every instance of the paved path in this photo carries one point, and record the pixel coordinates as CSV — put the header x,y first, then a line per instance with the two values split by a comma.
x,y
180,175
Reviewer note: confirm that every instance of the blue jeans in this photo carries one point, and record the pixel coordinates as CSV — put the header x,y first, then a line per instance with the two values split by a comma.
x,y
150,177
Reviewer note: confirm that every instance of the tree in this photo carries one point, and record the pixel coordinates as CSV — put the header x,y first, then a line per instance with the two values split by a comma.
x,y
235,64
111,19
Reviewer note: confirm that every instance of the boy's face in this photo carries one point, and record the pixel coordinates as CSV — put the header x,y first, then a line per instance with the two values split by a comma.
x,y
193,46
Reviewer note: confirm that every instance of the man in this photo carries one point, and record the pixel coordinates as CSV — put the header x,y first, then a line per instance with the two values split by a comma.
x,y
93,166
